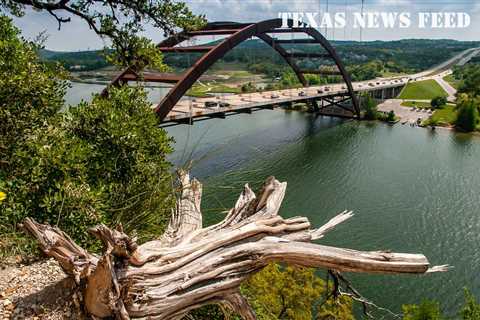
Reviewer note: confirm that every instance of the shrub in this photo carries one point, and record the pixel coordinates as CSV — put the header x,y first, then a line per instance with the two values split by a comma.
x,y
99,162
471,308
467,116
370,106
295,293
30,92
426,310
438,102
391,116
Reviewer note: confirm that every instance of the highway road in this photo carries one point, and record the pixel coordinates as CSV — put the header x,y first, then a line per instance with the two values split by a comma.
x,y
194,108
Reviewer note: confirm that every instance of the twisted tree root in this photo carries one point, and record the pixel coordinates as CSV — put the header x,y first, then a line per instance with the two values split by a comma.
x,y
190,266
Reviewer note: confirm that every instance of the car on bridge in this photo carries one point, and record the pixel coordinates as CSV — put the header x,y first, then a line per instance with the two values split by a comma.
x,y
302,94
211,104
223,104
320,91
274,96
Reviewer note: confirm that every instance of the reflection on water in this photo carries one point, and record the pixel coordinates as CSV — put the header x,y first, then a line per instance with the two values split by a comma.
x,y
413,190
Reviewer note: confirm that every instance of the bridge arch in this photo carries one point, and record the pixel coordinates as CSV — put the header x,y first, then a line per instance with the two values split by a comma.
x,y
237,33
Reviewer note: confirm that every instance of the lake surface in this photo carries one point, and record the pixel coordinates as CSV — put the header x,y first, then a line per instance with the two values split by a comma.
x,y
412,190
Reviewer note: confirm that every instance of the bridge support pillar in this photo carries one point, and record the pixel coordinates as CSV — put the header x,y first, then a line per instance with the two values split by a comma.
x,y
313,106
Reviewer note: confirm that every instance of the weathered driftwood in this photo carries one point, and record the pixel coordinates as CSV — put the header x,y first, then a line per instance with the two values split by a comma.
x,y
189,266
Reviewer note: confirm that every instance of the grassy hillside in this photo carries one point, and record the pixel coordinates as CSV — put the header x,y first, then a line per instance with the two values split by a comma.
x,y
422,90
445,116
452,81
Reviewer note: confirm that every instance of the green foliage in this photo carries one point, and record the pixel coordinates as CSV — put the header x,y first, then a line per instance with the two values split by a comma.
x,y
422,90
391,116
248,87
445,116
136,52
366,71
76,61
471,308
452,80
467,116
470,75
294,293
122,22
30,91
426,310
100,162
211,312
370,107
438,102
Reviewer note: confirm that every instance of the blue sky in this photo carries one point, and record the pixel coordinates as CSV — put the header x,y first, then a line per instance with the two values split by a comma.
x,y
77,36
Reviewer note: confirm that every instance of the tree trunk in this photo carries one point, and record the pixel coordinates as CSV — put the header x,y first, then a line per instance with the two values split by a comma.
x,y
190,266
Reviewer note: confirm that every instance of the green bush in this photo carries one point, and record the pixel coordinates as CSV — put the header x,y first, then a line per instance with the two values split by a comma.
x,y
30,92
370,106
426,310
295,293
467,115
438,102
391,116
99,162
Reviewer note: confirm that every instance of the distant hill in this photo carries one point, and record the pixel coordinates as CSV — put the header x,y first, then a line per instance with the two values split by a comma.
x,y
403,55
76,61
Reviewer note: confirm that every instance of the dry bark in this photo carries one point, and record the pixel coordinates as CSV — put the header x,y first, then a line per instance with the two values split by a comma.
x,y
189,266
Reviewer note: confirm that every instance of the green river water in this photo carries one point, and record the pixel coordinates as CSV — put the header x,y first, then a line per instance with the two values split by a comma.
x,y
412,189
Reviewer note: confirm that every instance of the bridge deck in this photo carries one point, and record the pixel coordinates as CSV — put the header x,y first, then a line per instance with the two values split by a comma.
x,y
195,109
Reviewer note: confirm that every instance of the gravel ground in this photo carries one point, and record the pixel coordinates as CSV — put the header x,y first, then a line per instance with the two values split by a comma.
x,y
39,290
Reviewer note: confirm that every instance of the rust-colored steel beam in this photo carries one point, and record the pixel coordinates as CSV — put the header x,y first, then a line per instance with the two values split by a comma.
x,y
346,76
205,62
236,34
271,42
186,49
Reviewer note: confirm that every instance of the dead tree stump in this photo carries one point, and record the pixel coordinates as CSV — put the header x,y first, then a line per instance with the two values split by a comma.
x,y
190,266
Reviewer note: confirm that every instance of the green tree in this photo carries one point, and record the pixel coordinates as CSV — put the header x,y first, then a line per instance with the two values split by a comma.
x,y
248,87
470,80
294,293
426,310
99,162
438,102
391,116
467,115
30,92
122,22
370,107
471,308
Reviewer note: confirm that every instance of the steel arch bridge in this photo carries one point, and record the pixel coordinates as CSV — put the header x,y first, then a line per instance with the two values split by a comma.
x,y
237,33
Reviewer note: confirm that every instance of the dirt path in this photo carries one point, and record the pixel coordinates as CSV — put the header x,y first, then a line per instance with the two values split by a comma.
x,y
448,88
36,291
